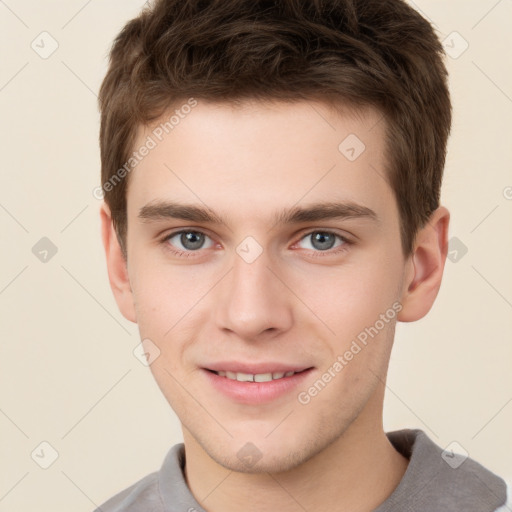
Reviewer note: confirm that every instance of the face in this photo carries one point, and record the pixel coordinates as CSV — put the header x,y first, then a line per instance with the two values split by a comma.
x,y
263,240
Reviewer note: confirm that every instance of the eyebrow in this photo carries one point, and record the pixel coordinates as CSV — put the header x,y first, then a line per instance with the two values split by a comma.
x,y
162,210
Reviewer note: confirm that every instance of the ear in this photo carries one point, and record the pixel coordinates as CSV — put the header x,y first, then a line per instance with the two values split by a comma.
x,y
425,267
117,266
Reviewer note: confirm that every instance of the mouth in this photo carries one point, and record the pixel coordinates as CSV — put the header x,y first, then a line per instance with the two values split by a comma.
x,y
255,377
256,384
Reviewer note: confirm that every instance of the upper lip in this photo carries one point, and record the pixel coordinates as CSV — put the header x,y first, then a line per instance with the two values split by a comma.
x,y
254,369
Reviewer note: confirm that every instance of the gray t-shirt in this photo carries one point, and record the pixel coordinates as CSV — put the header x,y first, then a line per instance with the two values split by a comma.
x,y
433,482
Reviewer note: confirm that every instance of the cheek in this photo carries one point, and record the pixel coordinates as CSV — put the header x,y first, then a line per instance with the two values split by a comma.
x,y
164,296
349,298
172,309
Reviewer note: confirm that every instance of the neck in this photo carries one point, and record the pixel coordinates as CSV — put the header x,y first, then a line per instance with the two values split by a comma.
x,y
357,472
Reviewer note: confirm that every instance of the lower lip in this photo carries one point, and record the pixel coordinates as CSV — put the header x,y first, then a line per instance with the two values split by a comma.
x,y
256,392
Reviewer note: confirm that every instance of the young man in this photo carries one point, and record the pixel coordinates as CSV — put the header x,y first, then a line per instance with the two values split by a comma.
x,y
271,174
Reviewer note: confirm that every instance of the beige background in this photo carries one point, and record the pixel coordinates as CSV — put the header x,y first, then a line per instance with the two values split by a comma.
x,y
69,376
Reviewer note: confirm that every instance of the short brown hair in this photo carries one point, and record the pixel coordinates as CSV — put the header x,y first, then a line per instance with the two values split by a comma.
x,y
378,53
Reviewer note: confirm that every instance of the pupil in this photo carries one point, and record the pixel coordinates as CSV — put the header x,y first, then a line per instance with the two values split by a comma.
x,y
192,240
323,240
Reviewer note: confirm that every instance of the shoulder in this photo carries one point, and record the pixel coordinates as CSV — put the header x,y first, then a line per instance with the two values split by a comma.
x,y
441,479
507,506
151,492
142,496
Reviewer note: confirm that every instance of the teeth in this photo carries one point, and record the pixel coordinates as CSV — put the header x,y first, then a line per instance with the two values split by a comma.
x,y
263,377
258,377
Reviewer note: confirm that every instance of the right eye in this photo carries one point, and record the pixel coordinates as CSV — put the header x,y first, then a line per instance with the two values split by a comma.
x,y
189,240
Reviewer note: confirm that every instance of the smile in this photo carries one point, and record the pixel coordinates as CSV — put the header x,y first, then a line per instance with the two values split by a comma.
x,y
255,388
258,377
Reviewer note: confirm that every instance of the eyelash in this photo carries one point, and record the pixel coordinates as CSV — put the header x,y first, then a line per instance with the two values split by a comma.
x,y
329,252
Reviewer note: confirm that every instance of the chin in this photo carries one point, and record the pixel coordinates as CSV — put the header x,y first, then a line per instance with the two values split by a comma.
x,y
256,461
264,453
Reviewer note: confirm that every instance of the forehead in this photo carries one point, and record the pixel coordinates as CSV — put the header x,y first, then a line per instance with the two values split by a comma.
x,y
254,156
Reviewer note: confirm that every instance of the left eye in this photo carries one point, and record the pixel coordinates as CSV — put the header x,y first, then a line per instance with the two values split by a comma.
x,y
322,240
189,240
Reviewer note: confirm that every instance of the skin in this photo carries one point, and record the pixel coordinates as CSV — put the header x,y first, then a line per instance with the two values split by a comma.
x,y
295,303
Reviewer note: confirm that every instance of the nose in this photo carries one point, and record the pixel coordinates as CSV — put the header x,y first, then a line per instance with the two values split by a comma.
x,y
253,301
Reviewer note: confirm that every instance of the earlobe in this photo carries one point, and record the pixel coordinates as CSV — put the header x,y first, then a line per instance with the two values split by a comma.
x,y
426,266
116,266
